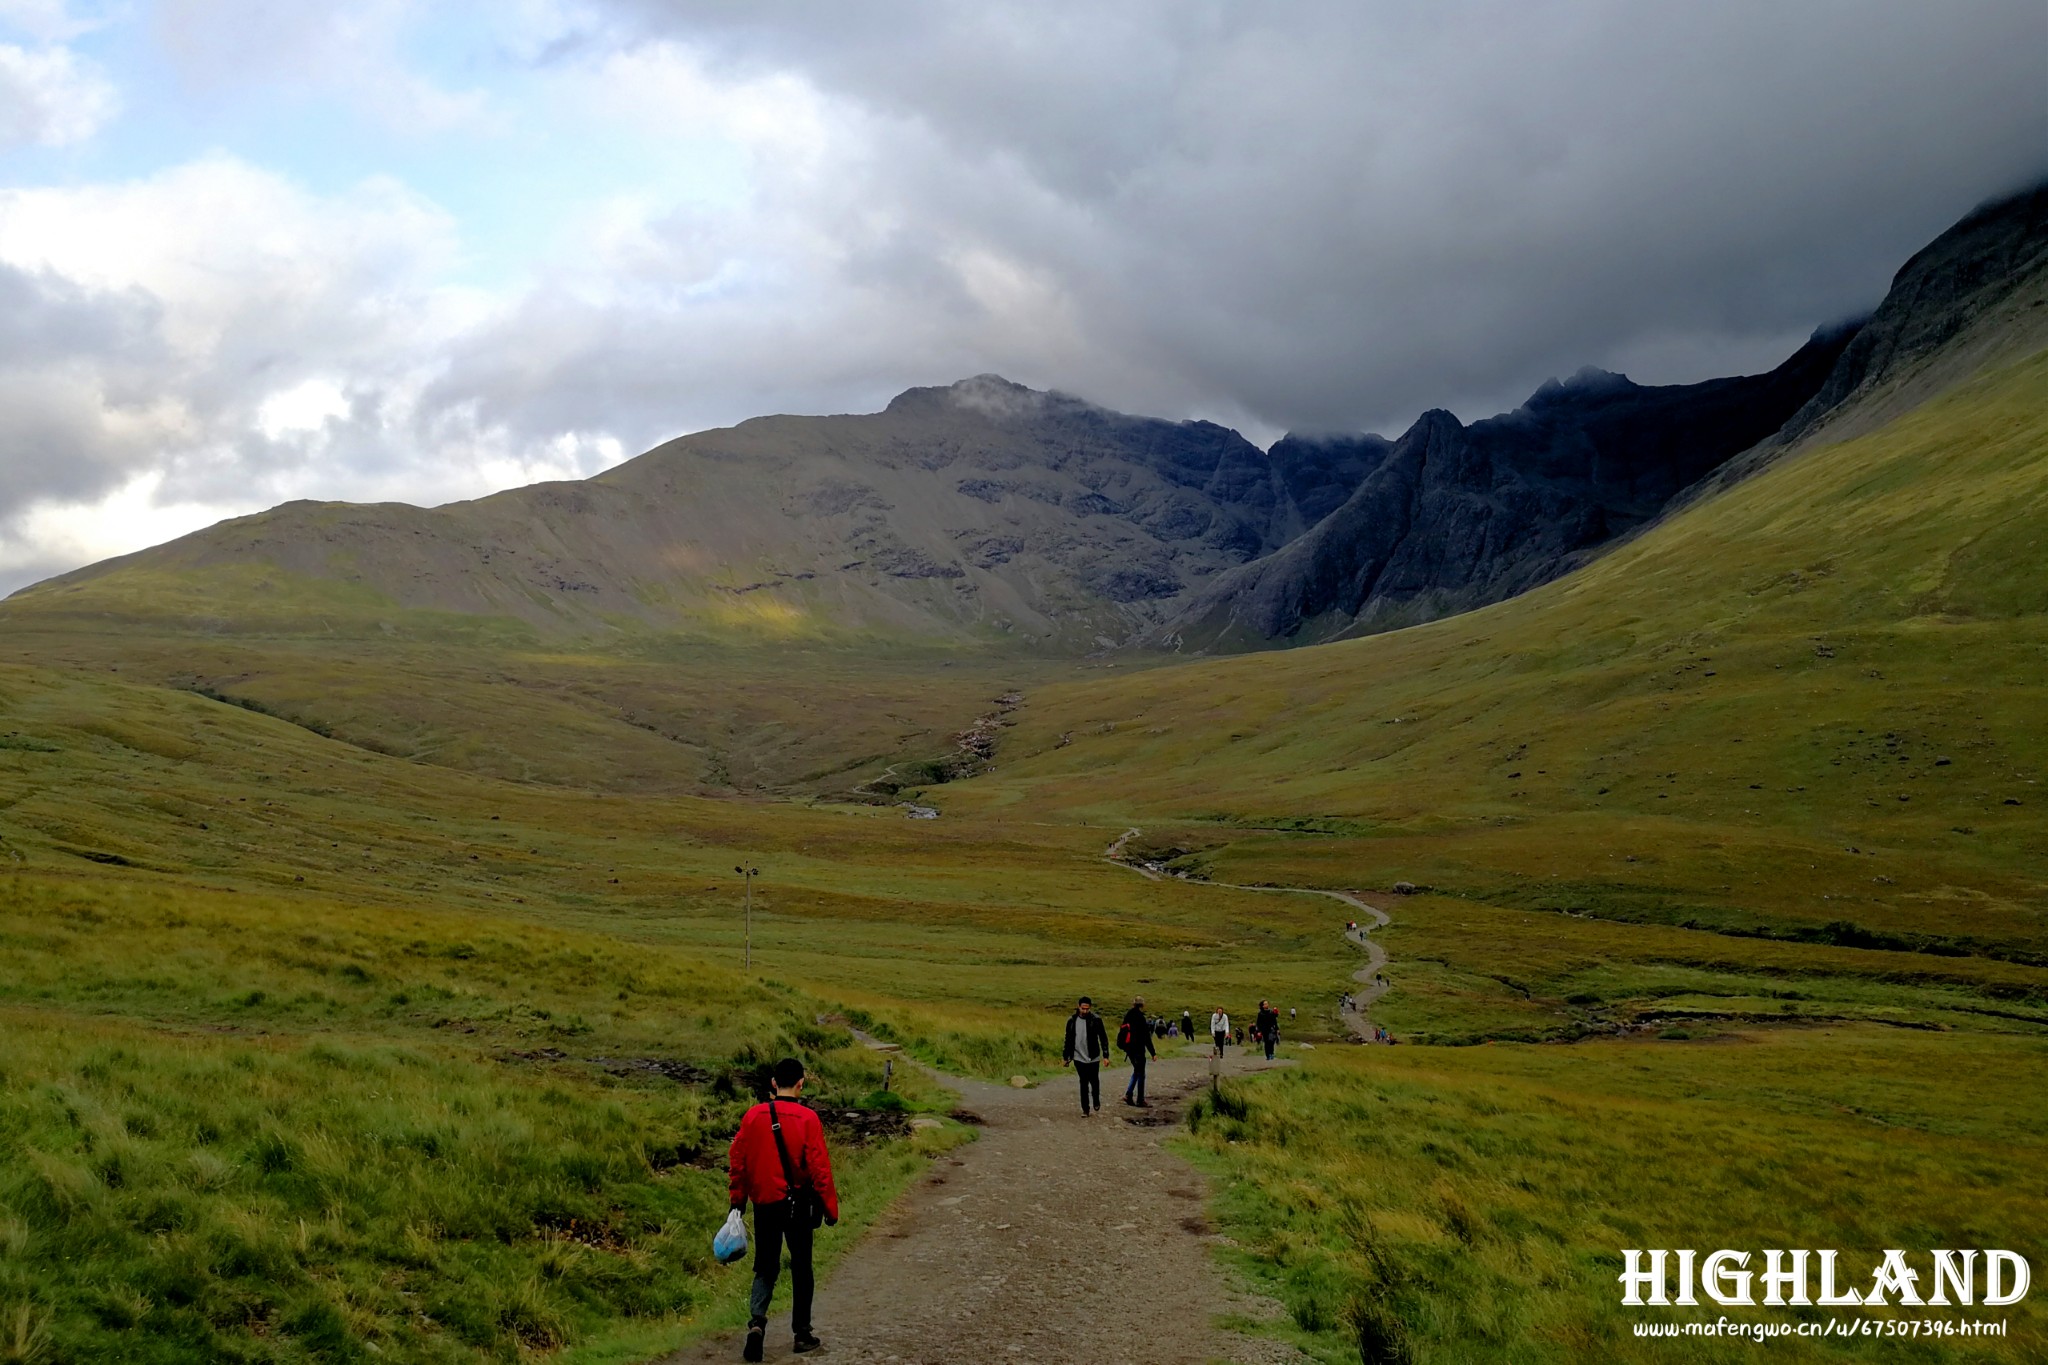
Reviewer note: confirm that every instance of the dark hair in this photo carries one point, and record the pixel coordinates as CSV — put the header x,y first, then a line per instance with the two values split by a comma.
x,y
788,1072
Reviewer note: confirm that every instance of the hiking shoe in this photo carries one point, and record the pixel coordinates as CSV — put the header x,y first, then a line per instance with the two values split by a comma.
x,y
805,1343
752,1350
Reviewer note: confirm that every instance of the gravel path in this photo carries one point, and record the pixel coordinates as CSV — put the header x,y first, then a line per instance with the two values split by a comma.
x,y
1358,1021
1052,1239
1055,1238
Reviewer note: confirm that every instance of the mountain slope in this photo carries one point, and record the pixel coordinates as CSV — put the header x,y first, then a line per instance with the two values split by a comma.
x,y
983,510
1811,705
1450,517
990,513
1974,298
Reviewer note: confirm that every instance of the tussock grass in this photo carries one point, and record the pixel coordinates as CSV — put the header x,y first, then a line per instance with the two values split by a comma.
x,y
266,969
1774,766
1471,1203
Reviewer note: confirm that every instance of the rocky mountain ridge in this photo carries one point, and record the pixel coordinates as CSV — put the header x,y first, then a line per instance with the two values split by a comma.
x,y
991,513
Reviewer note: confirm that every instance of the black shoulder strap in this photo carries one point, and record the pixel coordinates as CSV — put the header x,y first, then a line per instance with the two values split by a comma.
x,y
775,1127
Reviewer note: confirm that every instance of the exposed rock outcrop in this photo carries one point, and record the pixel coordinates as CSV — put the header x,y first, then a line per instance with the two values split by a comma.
x,y
1450,516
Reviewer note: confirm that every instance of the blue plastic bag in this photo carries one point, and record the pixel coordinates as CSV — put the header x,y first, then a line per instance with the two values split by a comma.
x,y
730,1242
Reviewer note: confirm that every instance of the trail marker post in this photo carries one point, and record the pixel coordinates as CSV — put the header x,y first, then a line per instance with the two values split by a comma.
x,y
747,874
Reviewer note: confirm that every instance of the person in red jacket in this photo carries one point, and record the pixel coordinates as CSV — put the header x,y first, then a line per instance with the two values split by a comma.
x,y
761,1173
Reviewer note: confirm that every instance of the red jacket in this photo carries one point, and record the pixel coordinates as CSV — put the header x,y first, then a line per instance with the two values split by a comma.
x,y
757,1167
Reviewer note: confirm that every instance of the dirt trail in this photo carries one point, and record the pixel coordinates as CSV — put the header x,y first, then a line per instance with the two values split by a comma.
x,y
1052,1239
1359,1021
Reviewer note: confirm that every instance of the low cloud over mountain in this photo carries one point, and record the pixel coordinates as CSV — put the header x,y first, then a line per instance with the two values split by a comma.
x,y
1316,216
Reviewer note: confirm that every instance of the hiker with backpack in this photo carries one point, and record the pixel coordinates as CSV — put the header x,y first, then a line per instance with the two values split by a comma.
x,y
1187,1026
1135,1038
1267,1028
778,1160
1086,1047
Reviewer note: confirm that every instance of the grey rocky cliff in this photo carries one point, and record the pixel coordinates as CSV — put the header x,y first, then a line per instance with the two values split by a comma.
x,y
1449,517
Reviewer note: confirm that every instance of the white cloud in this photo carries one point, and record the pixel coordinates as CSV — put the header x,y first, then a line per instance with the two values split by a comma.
x,y
215,339
47,21
305,407
55,535
51,97
170,335
1322,214
352,51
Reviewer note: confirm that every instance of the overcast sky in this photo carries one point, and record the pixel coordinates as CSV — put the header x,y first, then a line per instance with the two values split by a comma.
x,y
393,249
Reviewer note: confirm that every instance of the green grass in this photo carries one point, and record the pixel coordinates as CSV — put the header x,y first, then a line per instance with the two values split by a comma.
x,y
260,1128
1751,808
400,951
1472,1203
1686,969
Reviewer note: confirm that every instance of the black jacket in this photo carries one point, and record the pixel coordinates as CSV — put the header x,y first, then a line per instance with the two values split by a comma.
x,y
1141,1033
1098,1037
1269,1023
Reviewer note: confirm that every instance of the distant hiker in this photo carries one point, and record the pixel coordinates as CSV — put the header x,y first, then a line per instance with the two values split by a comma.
x,y
1187,1026
1219,1029
1135,1038
1267,1026
1290,1014
779,1161
1087,1045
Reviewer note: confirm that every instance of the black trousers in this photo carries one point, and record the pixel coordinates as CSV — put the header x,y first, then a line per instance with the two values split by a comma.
x,y
772,1227
1090,1074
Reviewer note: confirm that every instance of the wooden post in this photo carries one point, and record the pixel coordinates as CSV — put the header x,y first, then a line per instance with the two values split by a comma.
x,y
747,874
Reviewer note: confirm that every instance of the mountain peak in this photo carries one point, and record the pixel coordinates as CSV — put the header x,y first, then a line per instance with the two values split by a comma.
x,y
1587,381
988,394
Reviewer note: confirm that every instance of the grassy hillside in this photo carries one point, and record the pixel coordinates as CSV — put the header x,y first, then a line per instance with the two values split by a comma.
x,y
1463,1204
308,1049
1749,812
1813,700
468,1032
983,513
638,713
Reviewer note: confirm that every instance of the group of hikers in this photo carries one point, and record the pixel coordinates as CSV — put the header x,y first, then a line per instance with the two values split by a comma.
x,y
1087,1044
780,1165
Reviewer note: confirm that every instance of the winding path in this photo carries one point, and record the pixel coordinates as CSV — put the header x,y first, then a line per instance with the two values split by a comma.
x,y
1359,1020
1053,1238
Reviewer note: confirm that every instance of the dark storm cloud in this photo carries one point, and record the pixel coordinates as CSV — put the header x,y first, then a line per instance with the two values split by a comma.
x,y
1334,214
1318,215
